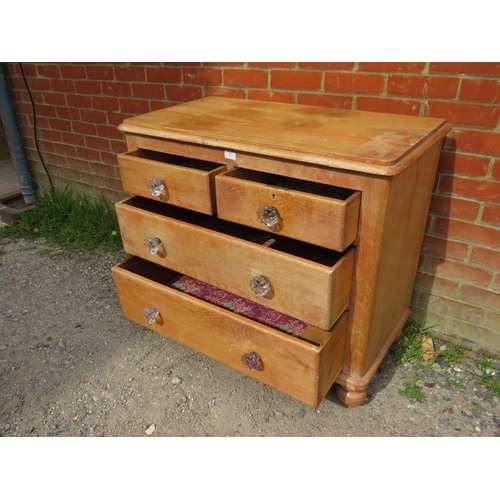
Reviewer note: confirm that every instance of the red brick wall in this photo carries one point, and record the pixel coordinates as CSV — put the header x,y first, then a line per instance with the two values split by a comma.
x,y
79,106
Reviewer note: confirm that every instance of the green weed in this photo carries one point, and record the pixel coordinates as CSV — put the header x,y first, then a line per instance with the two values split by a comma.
x,y
412,390
72,221
409,347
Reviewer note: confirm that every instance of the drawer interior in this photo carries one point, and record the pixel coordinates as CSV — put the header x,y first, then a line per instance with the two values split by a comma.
x,y
290,183
225,300
290,246
181,161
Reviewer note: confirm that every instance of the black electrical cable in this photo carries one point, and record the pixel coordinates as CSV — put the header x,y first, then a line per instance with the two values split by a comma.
x,y
35,128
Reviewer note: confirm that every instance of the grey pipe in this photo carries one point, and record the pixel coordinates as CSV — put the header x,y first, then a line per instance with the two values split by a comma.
x,y
14,139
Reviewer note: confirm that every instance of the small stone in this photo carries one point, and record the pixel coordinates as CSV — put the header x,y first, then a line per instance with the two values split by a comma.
x,y
6,427
176,380
407,366
478,372
436,367
443,348
61,344
150,429
302,413
478,429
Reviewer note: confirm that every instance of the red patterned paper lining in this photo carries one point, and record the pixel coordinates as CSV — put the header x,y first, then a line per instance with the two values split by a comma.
x,y
239,305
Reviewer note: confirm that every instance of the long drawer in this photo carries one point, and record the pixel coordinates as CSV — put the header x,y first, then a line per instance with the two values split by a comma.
x,y
302,280
320,214
178,180
303,367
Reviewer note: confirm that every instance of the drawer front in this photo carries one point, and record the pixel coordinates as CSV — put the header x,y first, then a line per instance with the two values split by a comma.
x,y
316,213
301,369
313,292
180,181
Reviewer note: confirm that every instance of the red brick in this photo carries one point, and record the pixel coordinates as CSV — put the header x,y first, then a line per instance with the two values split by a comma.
x,y
88,87
496,170
72,138
39,84
454,163
50,70
477,141
225,92
327,65
104,170
68,113
474,89
105,103
202,76
154,105
358,83
148,90
45,110
99,72
130,73
472,68
51,135
485,257
134,106
93,116
97,142
117,89
164,75
54,98
423,86
62,85
84,128
409,67
64,149
183,92
116,118
94,179
118,146
225,64
272,64
486,299
458,271
109,131
303,80
483,190
457,208
89,154
491,214
69,70
245,77
325,100
57,124
46,146
271,95
79,101
29,69
108,158
441,247
467,231
441,286
386,105
464,114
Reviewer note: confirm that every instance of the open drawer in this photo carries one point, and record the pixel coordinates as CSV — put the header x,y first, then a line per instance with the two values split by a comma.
x,y
317,213
295,278
178,180
303,366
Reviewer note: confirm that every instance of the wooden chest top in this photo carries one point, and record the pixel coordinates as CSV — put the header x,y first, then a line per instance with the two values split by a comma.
x,y
376,143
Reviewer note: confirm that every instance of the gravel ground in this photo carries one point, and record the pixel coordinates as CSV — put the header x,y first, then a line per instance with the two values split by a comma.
x,y
71,365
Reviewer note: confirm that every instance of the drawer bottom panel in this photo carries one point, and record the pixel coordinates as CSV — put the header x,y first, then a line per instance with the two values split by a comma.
x,y
302,367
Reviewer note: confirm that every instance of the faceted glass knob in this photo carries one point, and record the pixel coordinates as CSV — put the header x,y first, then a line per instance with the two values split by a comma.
x,y
153,245
151,315
267,215
156,186
260,285
251,361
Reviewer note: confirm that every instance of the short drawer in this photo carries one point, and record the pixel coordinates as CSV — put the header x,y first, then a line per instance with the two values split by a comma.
x,y
316,213
180,181
302,280
303,367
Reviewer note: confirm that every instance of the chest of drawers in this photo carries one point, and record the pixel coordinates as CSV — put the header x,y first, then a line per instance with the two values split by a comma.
x,y
282,240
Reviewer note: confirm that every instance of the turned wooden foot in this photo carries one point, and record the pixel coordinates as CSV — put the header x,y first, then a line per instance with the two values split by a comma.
x,y
351,398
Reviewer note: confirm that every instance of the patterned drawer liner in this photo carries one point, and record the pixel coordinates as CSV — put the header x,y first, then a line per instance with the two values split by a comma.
x,y
238,305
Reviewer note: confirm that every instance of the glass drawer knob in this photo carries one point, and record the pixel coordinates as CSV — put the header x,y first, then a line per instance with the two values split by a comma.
x,y
260,285
252,361
156,186
267,215
154,245
151,315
